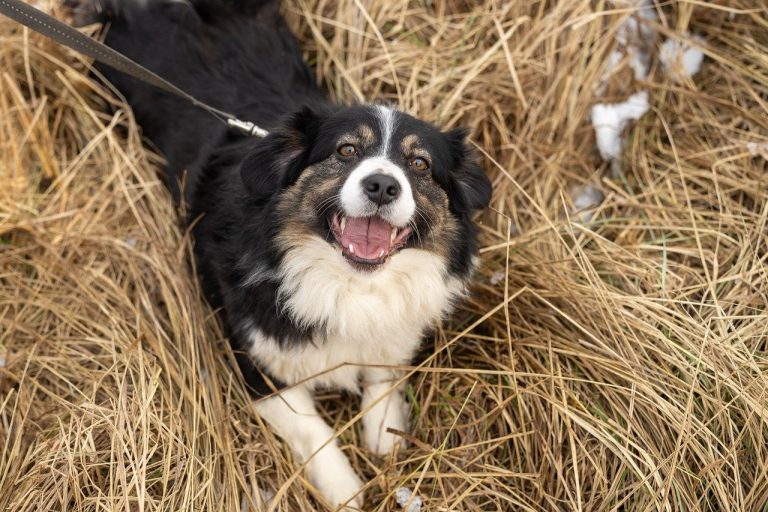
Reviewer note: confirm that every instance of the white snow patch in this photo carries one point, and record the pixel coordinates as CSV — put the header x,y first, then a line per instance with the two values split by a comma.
x,y
680,59
758,149
610,120
404,497
615,58
633,27
639,61
586,198
639,58
634,37
637,35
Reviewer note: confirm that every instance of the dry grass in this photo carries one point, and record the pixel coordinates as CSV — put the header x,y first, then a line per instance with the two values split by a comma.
x,y
617,364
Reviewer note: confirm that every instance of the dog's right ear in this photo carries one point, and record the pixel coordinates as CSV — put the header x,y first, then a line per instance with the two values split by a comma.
x,y
279,158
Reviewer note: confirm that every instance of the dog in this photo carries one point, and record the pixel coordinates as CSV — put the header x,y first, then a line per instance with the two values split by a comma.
x,y
330,246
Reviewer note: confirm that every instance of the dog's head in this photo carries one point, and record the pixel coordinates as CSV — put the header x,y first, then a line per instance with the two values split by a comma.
x,y
371,181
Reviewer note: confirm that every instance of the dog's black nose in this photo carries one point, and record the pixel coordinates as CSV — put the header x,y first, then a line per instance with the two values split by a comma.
x,y
381,189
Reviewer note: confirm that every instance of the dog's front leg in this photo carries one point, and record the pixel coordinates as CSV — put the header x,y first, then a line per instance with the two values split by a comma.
x,y
384,407
293,417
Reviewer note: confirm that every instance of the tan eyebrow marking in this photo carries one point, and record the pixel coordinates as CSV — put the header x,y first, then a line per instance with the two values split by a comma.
x,y
362,135
366,134
411,145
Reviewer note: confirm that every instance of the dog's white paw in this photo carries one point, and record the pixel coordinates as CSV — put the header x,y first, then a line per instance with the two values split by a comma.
x,y
337,482
391,412
381,442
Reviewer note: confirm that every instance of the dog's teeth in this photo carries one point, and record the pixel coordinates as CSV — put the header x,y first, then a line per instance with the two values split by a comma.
x,y
343,223
393,236
351,248
381,253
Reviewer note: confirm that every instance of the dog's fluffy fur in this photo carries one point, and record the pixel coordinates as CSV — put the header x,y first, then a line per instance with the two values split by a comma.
x,y
332,245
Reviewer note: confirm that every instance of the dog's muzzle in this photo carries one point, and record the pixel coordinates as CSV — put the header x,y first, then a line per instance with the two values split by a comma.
x,y
377,207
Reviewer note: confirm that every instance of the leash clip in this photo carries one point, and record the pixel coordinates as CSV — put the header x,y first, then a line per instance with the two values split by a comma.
x,y
247,127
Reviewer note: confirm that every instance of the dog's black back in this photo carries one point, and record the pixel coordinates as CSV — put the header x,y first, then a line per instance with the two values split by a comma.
x,y
238,56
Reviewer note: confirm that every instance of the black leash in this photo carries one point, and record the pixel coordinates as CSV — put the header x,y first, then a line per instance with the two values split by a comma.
x,y
62,33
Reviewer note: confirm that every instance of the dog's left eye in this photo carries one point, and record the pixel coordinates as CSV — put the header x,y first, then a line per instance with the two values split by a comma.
x,y
347,150
419,164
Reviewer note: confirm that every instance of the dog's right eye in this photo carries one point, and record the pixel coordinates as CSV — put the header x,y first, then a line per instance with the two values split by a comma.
x,y
347,150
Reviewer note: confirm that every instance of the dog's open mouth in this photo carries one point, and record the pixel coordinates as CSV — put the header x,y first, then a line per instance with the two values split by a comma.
x,y
367,240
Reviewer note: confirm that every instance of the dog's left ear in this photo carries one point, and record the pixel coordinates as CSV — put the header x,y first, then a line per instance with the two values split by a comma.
x,y
278,160
474,185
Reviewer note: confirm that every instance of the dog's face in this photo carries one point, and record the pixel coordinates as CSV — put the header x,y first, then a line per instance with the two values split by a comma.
x,y
369,180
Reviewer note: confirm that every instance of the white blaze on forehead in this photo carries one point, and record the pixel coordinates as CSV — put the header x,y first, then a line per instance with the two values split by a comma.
x,y
355,203
387,123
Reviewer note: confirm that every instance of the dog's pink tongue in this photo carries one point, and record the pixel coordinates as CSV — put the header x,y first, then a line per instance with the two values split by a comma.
x,y
369,237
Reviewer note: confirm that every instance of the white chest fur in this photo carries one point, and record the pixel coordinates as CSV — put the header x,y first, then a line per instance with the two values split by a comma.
x,y
374,318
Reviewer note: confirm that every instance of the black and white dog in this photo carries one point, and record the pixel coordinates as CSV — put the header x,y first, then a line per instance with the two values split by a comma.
x,y
332,245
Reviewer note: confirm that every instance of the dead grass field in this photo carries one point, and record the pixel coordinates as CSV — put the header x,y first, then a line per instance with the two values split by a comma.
x,y
616,363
